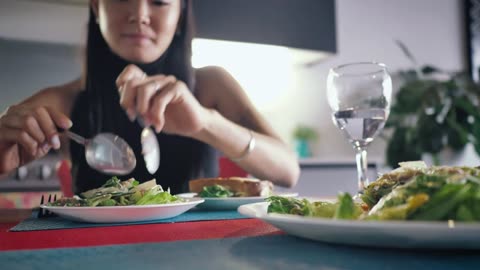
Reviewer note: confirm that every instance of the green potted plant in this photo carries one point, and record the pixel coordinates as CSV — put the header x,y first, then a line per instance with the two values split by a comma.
x,y
433,110
304,136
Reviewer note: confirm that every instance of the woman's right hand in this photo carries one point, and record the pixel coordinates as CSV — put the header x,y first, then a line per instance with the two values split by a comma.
x,y
28,133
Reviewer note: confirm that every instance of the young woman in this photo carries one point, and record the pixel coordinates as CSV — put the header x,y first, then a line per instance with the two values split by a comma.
x,y
138,65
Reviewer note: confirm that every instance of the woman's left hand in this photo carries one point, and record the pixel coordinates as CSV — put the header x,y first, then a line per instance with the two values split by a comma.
x,y
161,100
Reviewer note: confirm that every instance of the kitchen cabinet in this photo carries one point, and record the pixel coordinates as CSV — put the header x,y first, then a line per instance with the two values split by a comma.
x,y
305,24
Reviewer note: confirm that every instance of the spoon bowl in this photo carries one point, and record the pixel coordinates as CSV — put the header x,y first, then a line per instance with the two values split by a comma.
x,y
150,147
150,150
107,153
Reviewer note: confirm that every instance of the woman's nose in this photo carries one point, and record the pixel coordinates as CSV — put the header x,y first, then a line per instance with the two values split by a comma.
x,y
140,12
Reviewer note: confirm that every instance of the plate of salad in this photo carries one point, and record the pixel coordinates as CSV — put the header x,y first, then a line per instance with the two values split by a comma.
x,y
122,201
414,206
229,203
228,193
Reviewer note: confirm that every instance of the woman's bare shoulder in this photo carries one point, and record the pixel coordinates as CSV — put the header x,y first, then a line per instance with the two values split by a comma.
x,y
60,96
70,88
212,75
219,90
214,83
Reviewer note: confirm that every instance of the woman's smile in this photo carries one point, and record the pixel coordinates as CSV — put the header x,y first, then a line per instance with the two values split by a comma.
x,y
138,38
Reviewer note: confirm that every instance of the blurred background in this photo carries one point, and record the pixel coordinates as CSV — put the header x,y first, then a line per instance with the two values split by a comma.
x,y
290,44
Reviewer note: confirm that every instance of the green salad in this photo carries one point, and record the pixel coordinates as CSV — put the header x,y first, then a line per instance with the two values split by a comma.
x,y
412,192
121,193
215,191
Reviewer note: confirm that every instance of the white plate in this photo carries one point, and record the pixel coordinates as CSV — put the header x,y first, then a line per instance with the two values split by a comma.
x,y
397,234
230,203
131,213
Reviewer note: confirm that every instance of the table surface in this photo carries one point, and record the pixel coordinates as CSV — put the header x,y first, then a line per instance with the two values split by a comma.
x,y
128,234
224,244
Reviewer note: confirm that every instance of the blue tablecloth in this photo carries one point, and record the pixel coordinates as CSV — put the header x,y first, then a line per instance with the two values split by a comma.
x,y
266,252
52,223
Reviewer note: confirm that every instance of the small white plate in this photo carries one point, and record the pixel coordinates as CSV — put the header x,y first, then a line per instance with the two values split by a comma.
x,y
130,213
396,234
230,203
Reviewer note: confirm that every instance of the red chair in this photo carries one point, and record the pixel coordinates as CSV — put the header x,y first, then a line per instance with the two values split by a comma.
x,y
65,177
229,168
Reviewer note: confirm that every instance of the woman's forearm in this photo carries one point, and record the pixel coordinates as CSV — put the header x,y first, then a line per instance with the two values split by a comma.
x,y
270,159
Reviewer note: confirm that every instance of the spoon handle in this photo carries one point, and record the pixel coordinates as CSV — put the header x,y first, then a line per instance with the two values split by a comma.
x,y
77,138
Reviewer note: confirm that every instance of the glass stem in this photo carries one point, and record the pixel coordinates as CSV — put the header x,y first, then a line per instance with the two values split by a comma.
x,y
361,157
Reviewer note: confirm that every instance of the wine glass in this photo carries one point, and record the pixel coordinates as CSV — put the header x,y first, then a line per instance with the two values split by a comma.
x,y
360,95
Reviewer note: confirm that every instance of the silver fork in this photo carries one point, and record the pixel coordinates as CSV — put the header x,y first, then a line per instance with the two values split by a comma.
x,y
43,213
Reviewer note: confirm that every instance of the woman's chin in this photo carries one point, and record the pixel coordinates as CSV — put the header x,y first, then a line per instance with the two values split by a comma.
x,y
140,57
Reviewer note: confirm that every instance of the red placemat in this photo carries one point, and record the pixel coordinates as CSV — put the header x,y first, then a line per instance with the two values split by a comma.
x,y
146,233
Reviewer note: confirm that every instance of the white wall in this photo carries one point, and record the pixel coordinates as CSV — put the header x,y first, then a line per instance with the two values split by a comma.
x,y
432,29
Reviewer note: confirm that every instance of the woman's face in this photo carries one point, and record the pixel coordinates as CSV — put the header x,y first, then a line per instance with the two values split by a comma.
x,y
138,30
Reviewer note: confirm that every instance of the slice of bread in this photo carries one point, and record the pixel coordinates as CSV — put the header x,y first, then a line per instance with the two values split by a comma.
x,y
241,187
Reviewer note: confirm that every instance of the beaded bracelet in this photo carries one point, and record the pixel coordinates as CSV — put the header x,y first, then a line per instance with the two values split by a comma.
x,y
248,149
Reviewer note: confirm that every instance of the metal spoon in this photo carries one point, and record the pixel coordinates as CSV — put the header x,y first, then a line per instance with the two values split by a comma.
x,y
107,152
150,147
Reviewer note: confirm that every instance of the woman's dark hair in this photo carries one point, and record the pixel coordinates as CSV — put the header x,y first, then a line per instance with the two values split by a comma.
x,y
97,109
102,64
